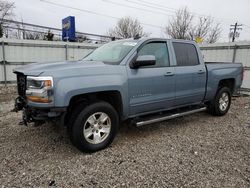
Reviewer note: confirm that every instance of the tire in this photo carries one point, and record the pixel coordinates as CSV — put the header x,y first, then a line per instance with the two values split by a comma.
x,y
221,103
94,127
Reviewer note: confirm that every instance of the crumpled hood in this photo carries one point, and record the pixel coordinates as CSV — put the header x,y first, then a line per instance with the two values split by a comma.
x,y
36,69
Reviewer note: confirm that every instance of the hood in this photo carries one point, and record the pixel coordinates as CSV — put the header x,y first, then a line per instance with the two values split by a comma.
x,y
37,69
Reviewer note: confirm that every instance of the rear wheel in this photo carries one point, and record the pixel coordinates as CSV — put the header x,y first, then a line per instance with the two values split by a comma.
x,y
95,127
221,103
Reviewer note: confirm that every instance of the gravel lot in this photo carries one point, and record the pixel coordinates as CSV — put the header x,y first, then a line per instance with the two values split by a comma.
x,y
193,151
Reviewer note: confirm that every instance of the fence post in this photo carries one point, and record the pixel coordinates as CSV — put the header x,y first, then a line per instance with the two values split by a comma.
x,y
4,65
234,53
66,52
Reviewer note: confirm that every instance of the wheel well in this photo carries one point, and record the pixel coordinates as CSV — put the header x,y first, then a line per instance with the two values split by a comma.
x,y
227,83
112,97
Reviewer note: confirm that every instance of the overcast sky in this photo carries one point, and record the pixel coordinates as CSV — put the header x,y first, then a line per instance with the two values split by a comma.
x,y
156,13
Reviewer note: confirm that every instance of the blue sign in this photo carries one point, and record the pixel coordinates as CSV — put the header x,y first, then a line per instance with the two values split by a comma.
x,y
68,29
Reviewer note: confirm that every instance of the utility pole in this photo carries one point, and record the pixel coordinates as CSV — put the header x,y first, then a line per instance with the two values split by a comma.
x,y
235,28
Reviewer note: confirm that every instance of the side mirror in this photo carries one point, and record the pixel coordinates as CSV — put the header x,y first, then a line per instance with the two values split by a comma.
x,y
143,60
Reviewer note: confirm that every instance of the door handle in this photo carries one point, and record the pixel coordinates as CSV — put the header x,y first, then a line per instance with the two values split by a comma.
x,y
169,74
201,72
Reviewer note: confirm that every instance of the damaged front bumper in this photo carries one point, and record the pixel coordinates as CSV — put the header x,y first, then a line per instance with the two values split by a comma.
x,y
37,115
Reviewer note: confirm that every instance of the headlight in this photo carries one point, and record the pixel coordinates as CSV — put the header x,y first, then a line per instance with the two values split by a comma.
x,y
39,89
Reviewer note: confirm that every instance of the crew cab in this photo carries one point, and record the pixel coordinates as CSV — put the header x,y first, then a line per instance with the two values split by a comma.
x,y
144,80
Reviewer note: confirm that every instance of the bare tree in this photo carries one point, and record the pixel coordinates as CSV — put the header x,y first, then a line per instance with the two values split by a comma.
x,y
81,38
18,33
104,39
33,35
183,26
180,26
127,28
201,29
49,36
214,34
6,12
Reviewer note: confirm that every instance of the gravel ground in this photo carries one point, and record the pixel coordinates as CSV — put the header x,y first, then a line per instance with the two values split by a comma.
x,y
193,151
7,93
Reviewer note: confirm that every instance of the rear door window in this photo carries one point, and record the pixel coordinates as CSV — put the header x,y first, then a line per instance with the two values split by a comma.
x,y
186,54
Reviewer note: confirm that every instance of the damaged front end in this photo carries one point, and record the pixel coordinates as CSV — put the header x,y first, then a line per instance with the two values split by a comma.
x,y
35,100
20,101
20,104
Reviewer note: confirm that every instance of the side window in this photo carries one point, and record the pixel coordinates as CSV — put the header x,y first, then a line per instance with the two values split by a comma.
x,y
186,54
159,50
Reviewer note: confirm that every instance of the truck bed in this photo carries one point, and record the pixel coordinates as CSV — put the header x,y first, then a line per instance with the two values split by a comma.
x,y
217,71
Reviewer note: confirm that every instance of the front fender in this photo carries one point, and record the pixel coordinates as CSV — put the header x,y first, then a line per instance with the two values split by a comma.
x,y
67,88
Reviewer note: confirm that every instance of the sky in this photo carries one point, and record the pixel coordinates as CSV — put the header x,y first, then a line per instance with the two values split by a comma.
x,y
154,15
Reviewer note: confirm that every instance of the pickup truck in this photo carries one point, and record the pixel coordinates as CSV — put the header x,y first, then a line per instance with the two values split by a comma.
x,y
144,80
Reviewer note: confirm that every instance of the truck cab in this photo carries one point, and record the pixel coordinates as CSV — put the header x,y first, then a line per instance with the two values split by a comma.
x,y
177,78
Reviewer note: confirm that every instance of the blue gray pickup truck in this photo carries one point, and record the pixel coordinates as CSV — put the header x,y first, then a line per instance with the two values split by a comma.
x,y
144,80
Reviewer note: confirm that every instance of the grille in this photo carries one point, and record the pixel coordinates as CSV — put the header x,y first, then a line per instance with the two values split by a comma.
x,y
21,84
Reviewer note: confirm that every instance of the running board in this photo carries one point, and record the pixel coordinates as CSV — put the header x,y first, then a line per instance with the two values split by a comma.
x,y
167,117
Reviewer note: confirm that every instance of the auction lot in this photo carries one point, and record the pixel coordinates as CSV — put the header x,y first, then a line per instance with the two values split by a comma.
x,y
193,151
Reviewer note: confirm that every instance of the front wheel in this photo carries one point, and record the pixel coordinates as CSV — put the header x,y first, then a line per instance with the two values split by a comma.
x,y
95,127
221,103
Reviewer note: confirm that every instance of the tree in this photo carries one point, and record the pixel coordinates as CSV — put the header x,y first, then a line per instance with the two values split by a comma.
x,y
6,12
180,26
30,35
127,28
49,36
214,34
183,26
201,29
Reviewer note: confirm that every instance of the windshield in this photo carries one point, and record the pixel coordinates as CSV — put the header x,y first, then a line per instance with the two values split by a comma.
x,y
111,53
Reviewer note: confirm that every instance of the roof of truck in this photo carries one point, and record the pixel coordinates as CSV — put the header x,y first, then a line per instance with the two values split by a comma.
x,y
142,39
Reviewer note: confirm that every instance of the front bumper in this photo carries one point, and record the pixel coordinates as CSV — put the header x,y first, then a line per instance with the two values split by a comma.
x,y
35,114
